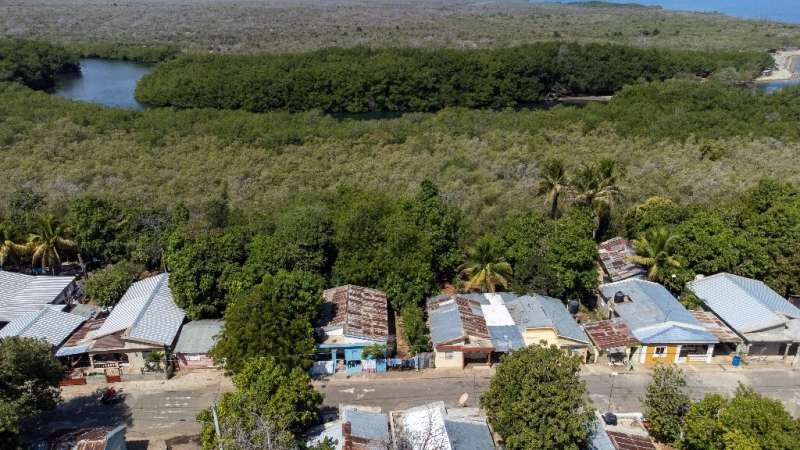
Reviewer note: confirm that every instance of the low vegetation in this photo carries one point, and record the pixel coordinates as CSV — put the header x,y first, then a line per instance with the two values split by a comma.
x,y
363,80
34,64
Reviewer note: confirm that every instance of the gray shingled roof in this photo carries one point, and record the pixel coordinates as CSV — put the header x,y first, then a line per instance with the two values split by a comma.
x,y
654,315
745,304
21,294
539,311
48,324
147,313
198,337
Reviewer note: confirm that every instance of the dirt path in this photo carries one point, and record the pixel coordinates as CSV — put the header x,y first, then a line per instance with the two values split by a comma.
x,y
786,62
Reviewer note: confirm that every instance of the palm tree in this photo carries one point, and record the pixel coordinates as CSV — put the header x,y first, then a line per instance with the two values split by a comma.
x,y
554,180
46,244
8,248
486,268
595,186
654,250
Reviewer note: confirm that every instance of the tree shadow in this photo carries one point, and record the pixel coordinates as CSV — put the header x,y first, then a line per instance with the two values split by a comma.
x,y
77,413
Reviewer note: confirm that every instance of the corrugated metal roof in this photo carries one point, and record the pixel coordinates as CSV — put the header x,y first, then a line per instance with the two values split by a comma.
x,y
198,337
147,312
610,333
615,257
716,326
361,312
445,323
434,426
746,305
468,435
650,304
21,293
506,338
456,317
539,311
52,326
367,425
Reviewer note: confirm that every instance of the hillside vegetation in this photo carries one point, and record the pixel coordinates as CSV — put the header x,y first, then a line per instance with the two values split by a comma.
x,y
362,80
302,25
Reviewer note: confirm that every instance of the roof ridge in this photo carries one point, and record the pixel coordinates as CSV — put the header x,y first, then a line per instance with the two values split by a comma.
x,y
32,321
147,303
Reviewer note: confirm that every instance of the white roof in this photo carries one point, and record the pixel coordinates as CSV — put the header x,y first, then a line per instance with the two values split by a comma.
x,y
48,324
147,312
496,315
746,305
423,424
21,293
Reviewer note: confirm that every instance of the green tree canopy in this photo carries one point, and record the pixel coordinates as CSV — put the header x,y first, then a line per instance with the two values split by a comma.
x,y
271,319
486,268
100,227
106,286
666,403
537,400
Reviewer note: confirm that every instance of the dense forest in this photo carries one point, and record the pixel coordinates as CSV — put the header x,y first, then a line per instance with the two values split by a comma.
x,y
34,64
368,80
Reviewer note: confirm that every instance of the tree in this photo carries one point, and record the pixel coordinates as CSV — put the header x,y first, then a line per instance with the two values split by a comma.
x,y
537,400
100,228
486,268
106,286
443,225
748,420
666,403
29,376
415,330
48,243
204,269
654,250
10,250
595,186
554,181
270,319
271,407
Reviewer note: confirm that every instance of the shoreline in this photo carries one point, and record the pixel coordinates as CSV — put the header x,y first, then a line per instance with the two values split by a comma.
x,y
786,63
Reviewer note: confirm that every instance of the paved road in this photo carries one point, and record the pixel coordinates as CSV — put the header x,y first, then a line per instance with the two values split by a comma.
x,y
628,388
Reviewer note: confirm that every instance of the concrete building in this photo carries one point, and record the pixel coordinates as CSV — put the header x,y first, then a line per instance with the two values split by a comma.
x,y
768,324
546,321
194,342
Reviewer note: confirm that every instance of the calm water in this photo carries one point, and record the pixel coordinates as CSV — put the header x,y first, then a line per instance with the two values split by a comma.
x,y
103,81
779,10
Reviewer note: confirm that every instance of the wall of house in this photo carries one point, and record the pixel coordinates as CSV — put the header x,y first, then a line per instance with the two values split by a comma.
x,y
448,359
194,361
537,336
671,351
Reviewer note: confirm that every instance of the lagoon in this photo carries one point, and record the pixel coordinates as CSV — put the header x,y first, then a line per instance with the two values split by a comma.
x,y
103,81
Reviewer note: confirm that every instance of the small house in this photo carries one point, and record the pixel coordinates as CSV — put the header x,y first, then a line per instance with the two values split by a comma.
x,y
352,318
49,324
546,321
459,332
666,331
194,343
434,426
357,428
145,321
611,339
21,294
615,259
768,324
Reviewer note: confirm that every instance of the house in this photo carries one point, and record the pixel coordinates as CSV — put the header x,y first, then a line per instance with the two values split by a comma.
x,y
351,318
99,438
21,294
146,320
666,331
435,426
357,428
459,332
546,321
194,342
613,339
615,259
768,324
49,324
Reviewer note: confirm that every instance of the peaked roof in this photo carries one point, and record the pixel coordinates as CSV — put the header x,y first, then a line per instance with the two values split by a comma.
x,y
745,304
367,424
146,313
615,256
435,426
610,333
538,311
653,315
360,311
198,336
21,293
48,324
454,318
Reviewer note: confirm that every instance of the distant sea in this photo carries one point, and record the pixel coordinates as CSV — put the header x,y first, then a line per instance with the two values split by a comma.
x,y
776,10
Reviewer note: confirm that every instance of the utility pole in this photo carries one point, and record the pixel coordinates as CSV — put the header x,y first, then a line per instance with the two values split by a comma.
x,y
613,376
216,422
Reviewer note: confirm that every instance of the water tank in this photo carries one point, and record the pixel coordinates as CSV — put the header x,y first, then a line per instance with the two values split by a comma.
x,y
619,297
610,418
573,306
699,276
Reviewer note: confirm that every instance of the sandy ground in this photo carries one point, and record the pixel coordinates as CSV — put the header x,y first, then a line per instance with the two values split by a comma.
x,y
785,64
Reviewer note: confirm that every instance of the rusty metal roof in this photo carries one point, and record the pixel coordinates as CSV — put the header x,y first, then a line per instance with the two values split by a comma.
x,y
615,258
609,333
624,441
716,327
362,312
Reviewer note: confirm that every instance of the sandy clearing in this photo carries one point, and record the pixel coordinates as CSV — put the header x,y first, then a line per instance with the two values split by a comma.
x,y
785,66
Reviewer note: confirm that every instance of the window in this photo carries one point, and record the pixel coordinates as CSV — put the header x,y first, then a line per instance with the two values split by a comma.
x,y
448,355
660,352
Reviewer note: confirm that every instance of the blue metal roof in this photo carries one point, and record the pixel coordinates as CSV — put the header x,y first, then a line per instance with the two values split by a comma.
x,y
506,336
539,311
745,304
445,323
652,307
367,425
